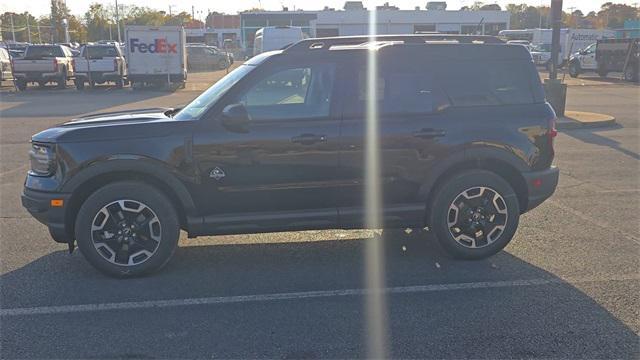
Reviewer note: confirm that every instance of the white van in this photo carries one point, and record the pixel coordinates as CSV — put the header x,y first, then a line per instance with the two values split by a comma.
x,y
275,38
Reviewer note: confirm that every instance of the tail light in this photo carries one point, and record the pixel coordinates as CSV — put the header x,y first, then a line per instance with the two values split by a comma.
x,y
115,64
55,65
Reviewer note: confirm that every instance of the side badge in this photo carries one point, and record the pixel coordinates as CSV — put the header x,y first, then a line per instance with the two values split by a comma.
x,y
217,173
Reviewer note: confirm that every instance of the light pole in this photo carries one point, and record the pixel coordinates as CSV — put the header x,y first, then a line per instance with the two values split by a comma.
x,y
118,20
13,31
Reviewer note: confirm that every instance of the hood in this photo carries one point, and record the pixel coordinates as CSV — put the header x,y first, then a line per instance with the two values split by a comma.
x,y
141,115
120,125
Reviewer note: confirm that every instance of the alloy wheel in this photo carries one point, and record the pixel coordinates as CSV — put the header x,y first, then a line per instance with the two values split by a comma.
x,y
126,232
477,217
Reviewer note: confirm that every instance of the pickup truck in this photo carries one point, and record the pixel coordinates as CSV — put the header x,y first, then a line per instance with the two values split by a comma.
x,y
99,63
42,64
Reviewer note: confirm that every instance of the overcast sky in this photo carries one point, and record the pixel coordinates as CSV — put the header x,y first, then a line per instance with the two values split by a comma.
x,y
41,7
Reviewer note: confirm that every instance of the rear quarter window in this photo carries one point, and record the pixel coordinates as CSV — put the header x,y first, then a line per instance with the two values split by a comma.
x,y
469,83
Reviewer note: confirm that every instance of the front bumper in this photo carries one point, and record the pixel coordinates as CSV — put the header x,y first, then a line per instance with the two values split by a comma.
x,y
541,185
38,204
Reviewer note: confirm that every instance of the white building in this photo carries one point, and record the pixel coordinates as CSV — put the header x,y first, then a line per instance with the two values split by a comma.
x,y
355,21
342,23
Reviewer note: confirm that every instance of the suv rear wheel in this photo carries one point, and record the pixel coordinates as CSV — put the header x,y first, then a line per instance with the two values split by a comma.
x,y
474,214
127,229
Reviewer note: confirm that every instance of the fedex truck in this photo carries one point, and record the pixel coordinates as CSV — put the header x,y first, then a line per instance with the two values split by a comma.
x,y
156,54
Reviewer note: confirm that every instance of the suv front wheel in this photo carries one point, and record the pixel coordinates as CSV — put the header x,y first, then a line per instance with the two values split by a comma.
x,y
474,214
127,229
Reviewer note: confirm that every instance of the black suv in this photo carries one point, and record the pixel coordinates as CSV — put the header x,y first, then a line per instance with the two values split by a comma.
x,y
465,147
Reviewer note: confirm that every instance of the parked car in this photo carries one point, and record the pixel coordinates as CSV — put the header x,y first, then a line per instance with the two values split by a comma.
x,y
98,64
42,64
465,134
619,55
206,58
5,66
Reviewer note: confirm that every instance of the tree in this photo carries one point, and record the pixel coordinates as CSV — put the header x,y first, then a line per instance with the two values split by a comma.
x,y
492,7
614,15
22,23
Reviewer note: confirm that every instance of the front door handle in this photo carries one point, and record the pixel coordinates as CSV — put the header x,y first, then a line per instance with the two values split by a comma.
x,y
429,133
308,139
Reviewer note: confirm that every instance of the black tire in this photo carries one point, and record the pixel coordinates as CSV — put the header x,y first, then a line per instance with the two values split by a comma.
x,y
450,191
92,84
631,73
21,84
222,64
574,69
79,84
602,72
62,81
162,210
42,84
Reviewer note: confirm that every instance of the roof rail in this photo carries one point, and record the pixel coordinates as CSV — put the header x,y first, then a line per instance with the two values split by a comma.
x,y
326,43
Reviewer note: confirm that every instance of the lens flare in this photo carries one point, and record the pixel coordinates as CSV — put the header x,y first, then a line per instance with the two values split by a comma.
x,y
376,307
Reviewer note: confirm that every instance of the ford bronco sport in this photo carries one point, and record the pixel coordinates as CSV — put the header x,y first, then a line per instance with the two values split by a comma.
x,y
465,134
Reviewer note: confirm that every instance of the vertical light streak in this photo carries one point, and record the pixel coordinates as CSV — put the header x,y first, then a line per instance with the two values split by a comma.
x,y
376,307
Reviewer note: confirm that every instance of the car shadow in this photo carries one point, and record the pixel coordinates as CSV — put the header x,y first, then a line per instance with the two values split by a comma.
x,y
561,318
592,136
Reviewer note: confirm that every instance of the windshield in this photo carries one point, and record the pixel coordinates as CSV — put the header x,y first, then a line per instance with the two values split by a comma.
x,y
36,52
203,102
98,52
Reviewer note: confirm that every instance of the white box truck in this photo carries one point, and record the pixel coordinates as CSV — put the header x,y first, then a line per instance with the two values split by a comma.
x,y
156,54
571,41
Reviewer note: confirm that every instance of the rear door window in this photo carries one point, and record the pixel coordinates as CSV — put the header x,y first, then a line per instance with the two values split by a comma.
x,y
469,83
402,89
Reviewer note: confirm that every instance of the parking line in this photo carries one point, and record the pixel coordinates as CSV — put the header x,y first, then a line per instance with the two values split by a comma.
x,y
156,304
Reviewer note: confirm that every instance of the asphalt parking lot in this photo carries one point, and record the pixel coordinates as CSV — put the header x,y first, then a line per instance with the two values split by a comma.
x,y
567,286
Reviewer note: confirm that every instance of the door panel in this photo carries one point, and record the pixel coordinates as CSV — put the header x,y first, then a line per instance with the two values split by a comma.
x,y
286,160
410,131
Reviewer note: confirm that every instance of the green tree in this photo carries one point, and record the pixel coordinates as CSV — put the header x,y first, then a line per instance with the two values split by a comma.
x,y
22,24
614,15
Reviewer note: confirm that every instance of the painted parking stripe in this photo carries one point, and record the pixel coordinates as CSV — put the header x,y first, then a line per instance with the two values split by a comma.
x,y
155,304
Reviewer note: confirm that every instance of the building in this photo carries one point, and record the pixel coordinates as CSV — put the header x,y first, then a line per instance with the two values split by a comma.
x,y
218,30
354,20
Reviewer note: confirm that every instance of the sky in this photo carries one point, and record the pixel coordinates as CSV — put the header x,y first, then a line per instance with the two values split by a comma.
x,y
41,7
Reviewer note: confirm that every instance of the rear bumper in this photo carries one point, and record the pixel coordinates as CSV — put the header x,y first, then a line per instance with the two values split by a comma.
x,y
37,76
541,185
100,76
38,204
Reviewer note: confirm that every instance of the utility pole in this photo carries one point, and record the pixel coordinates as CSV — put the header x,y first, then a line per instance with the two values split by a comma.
x,y
555,90
118,20
193,12
39,34
28,29
13,31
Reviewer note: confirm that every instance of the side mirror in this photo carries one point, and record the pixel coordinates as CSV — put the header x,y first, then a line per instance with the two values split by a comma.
x,y
236,118
582,52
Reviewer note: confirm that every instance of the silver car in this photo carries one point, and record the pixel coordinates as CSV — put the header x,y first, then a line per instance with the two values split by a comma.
x,y
201,57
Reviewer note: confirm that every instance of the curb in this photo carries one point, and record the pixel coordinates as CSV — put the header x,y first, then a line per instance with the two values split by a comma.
x,y
581,120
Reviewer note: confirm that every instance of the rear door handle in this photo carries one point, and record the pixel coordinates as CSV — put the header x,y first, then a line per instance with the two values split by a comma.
x,y
308,139
429,133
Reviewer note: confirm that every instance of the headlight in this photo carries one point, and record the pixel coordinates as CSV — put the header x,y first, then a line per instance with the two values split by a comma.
x,y
42,159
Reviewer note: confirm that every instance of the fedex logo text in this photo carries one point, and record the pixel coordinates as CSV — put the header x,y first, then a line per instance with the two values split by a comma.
x,y
158,46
